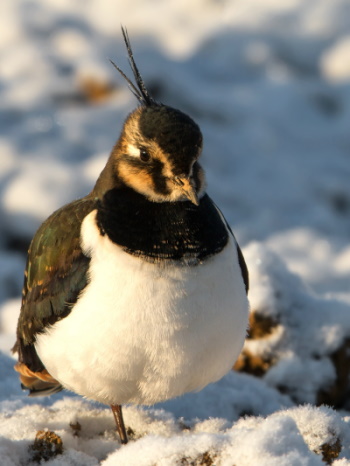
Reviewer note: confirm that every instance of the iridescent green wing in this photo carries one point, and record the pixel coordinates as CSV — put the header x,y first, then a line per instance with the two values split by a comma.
x,y
56,273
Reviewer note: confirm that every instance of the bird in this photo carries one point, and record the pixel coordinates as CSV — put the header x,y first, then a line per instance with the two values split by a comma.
x,y
137,292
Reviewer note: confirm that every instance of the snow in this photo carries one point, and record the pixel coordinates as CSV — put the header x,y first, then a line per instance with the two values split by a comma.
x,y
268,83
335,61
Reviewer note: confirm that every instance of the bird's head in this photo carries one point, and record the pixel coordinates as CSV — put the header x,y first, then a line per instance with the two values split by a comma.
x,y
157,154
158,150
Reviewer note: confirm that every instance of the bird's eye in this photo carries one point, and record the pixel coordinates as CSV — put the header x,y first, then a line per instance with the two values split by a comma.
x,y
144,155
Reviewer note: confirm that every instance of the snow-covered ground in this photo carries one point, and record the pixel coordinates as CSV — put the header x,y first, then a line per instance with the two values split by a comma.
x,y
269,84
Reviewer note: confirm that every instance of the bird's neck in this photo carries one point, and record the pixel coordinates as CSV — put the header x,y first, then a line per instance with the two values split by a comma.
x,y
177,231
106,181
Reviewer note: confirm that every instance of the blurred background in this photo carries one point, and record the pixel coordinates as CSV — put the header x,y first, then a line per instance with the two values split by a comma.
x,y
267,81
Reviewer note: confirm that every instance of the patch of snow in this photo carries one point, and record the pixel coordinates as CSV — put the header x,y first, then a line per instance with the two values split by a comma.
x,y
335,62
308,328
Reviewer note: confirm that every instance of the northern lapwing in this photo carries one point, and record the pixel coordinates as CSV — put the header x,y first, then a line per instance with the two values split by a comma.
x,y
136,293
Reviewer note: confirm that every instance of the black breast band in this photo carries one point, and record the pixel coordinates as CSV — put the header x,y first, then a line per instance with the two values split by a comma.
x,y
175,231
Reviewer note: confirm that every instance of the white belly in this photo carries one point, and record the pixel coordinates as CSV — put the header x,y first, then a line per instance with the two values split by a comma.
x,y
143,333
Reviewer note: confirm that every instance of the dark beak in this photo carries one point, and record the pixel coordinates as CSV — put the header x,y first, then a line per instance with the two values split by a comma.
x,y
186,187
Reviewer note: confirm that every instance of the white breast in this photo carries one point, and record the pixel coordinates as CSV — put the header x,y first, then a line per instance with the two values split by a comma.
x,y
142,332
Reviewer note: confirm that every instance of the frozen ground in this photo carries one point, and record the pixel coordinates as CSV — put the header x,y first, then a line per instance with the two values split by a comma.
x,y
268,82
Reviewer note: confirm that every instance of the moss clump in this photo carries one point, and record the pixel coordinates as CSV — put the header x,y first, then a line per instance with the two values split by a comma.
x,y
46,446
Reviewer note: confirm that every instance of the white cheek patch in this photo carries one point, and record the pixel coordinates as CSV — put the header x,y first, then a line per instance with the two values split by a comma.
x,y
133,151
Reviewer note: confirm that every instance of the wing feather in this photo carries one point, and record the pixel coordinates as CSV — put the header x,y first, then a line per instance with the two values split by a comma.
x,y
56,273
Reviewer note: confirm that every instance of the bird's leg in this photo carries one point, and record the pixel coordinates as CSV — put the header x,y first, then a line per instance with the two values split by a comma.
x,y
118,416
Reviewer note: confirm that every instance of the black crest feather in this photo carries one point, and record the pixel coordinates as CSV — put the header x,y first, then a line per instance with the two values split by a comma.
x,y
139,91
